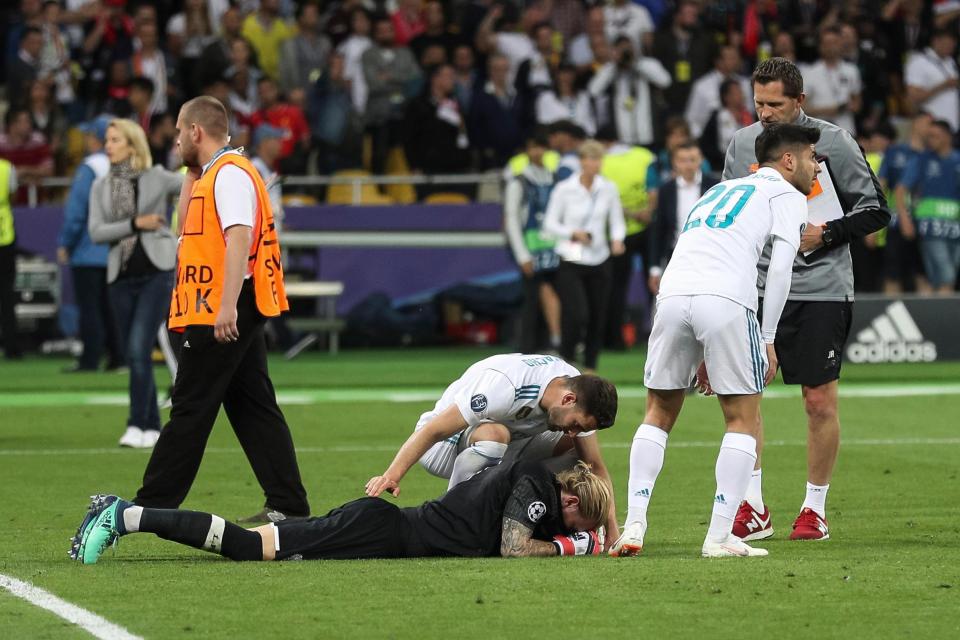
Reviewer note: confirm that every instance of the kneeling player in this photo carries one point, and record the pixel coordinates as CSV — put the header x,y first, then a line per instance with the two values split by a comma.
x,y
706,312
518,509
507,407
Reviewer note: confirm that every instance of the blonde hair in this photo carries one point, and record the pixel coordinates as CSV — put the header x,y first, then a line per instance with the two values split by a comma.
x,y
592,490
592,149
141,159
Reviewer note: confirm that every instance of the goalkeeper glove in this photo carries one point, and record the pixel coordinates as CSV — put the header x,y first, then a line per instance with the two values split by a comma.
x,y
581,543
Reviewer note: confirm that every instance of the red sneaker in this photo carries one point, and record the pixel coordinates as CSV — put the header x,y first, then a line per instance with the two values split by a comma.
x,y
751,525
810,526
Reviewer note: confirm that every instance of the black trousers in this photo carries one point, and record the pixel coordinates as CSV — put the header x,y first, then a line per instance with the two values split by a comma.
x,y
235,375
8,317
584,293
622,270
531,313
98,332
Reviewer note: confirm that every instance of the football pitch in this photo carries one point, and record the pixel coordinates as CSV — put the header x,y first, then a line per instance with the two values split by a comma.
x,y
891,568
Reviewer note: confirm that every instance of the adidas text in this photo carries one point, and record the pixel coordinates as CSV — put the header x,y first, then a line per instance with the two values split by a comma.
x,y
892,337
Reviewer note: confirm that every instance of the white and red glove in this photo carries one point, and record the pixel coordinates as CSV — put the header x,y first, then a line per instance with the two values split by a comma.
x,y
581,543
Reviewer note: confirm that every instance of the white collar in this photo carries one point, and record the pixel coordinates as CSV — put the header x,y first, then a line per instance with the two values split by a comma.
x,y
697,179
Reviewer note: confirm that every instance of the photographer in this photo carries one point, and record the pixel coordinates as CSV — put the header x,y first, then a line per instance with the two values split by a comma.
x,y
626,83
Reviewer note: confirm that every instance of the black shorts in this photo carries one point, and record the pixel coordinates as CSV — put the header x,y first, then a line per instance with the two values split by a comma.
x,y
901,258
364,528
810,340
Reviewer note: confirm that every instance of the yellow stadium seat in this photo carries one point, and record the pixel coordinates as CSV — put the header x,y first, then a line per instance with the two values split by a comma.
x,y
397,166
343,193
446,197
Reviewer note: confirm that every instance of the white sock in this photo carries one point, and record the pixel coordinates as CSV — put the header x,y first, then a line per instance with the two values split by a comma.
x,y
555,342
754,493
816,499
131,518
646,461
738,455
474,459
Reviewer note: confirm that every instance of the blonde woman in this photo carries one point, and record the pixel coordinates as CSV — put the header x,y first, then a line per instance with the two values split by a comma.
x,y
585,216
128,211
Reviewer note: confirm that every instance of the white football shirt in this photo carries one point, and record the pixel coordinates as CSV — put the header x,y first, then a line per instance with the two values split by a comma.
x,y
725,232
507,389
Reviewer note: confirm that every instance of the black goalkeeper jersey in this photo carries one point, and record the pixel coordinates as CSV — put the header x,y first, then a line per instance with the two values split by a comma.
x,y
468,519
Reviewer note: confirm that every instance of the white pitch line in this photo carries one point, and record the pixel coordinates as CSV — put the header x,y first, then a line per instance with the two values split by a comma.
x,y
681,444
88,621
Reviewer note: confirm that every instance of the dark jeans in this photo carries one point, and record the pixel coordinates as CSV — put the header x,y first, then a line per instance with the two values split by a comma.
x,y
140,305
97,327
235,375
584,293
531,314
8,317
622,272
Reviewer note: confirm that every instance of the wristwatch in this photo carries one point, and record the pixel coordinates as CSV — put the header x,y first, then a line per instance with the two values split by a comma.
x,y
827,236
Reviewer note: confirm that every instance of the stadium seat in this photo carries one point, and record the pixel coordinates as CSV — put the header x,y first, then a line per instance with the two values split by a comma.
x,y
397,166
343,193
447,197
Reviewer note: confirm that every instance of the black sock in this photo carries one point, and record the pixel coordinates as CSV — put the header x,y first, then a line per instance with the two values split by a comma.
x,y
203,531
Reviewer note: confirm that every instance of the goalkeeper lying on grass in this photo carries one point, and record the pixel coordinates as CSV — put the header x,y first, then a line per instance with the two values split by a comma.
x,y
516,509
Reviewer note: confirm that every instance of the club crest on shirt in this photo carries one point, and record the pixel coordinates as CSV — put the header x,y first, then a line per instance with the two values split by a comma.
x,y
523,413
478,403
536,510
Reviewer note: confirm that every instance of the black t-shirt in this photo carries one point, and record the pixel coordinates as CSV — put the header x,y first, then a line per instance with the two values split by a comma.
x,y
468,519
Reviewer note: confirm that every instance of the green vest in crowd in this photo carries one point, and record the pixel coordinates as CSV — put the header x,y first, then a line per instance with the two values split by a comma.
x,y
519,162
7,234
629,172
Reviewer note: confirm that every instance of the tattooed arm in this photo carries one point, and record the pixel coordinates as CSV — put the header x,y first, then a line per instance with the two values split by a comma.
x,y
516,541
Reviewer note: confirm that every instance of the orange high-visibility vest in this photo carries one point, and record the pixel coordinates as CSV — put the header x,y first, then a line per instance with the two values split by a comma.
x,y
200,258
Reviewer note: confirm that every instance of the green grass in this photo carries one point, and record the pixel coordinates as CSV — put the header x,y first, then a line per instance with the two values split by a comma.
x,y
891,569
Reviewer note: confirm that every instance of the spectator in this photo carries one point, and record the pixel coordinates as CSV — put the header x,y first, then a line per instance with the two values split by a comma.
x,y
432,56
108,41
55,56
566,138
217,56
436,133
623,18
871,65
675,199
524,206
465,75
833,85
8,262
436,31
161,137
150,62
784,47
128,209
336,126
25,67
238,124
932,80
496,116
267,145
392,77
304,56
933,180
337,18
585,216
267,31
244,78
705,94
566,17
731,116
45,115
140,99
408,22
29,16
907,25
536,73
189,33
627,84
627,167
117,94
88,261
352,50
676,132
27,150
580,49
280,113
516,47
685,50
903,269
565,102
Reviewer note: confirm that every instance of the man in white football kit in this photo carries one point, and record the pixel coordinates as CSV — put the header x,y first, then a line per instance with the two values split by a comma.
x,y
707,312
534,407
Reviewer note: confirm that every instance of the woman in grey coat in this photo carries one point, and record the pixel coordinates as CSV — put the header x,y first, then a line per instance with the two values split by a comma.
x,y
128,210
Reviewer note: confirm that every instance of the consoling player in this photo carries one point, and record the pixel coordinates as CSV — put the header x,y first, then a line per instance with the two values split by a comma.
x,y
706,312
512,510
512,406
848,203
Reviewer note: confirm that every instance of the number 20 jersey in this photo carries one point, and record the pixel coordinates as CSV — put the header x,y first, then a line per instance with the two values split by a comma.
x,y
720,244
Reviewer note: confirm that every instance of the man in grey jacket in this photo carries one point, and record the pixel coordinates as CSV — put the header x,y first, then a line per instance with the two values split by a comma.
x,y
847,203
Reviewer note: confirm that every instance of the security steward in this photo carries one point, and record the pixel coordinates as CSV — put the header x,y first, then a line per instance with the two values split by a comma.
x,y
229,281
8,261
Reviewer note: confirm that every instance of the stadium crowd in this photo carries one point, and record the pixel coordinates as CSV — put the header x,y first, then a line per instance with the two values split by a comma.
x,y
467,85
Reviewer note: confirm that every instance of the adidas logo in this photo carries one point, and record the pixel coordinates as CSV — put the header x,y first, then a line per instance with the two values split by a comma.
x,y
643,493
892,337
719,499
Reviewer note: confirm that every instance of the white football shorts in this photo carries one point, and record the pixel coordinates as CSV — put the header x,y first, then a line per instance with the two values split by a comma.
x,y
688,330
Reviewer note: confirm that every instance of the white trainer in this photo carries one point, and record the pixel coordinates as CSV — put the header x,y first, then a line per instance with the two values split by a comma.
x,y
150,437
630,542
731,547
132,437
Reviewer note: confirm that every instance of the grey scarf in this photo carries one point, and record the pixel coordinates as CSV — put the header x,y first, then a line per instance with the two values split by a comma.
x,y
123,200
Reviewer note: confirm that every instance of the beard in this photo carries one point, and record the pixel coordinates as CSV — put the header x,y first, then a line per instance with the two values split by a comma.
x,y
189,156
